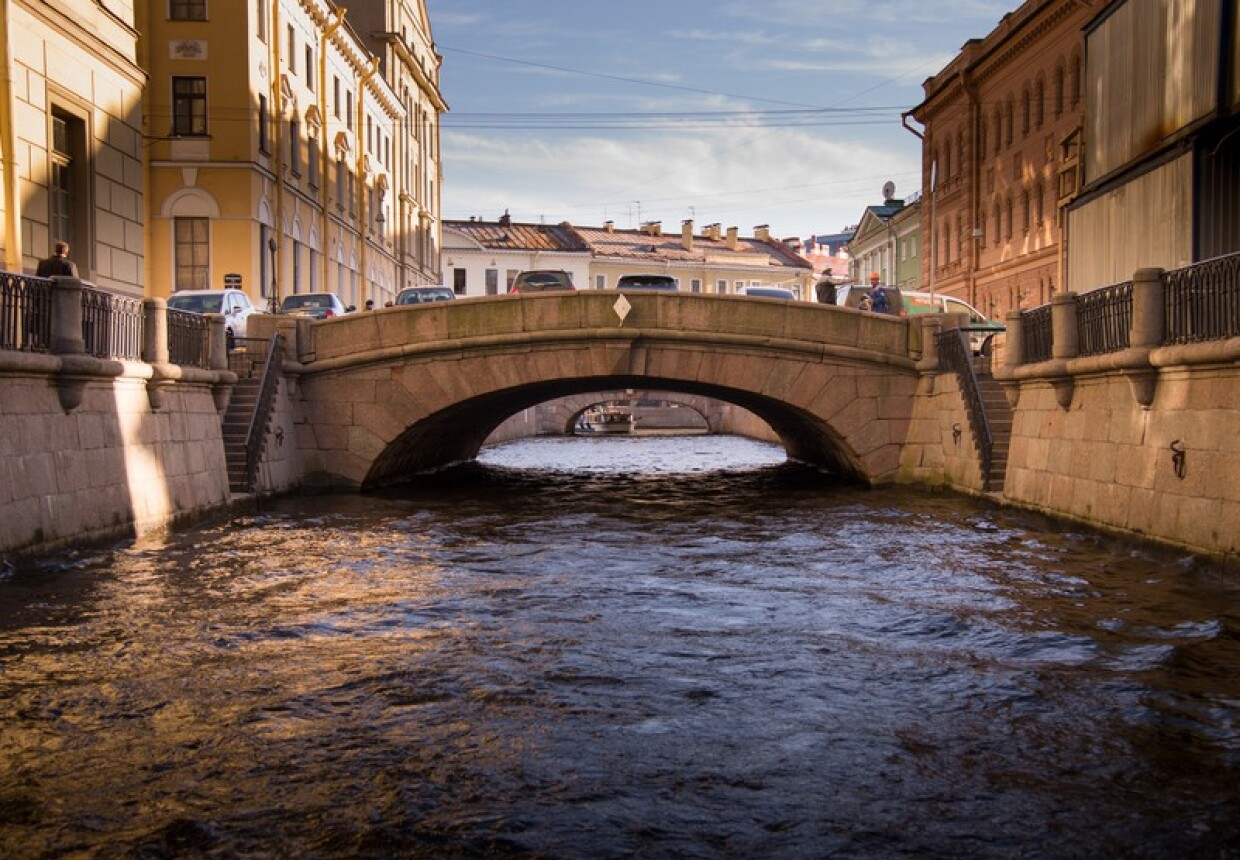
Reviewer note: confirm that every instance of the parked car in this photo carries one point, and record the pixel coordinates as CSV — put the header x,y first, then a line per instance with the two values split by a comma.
x,y
542,281
235,305
647,282
768,293
420,295
319,306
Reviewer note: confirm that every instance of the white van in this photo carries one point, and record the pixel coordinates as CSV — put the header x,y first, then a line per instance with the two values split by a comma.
x,y
917,303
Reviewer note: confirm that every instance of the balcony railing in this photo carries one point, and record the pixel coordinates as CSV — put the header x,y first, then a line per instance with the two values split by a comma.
x,y
1104,319
1203,301
1036,326
111,324
25,313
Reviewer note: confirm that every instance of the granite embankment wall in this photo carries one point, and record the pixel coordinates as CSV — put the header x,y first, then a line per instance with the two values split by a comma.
x,y
93,449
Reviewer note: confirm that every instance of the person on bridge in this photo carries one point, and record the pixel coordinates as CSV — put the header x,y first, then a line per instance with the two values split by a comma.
x,y
877,295
826,289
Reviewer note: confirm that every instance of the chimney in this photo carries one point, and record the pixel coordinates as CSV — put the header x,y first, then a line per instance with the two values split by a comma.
x,y
712,231
653,228
762,232
609,226
733,243
686,234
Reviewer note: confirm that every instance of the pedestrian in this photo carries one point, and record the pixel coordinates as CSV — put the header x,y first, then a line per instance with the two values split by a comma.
x,y
826,289
58,264
877,295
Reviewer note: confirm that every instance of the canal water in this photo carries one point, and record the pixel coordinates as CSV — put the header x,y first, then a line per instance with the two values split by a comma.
x,y
621,648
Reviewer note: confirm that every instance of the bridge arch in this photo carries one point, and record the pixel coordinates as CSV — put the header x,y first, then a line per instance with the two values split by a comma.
x,y
390,394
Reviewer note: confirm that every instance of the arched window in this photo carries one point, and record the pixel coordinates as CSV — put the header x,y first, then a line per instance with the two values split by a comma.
x,y
998,212
960,151
1009,111
1075,81
1039,100
1039,196
1026,111
998,128
1008,232
1059,88
1024,210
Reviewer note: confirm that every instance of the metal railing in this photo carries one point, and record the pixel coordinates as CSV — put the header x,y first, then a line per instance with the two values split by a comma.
x,y
112,324
1104,319
189,339
25,313
1202,301
1035,326
955,355
256,436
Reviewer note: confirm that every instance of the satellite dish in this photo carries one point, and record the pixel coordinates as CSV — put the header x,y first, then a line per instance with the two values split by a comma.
x,y
889,190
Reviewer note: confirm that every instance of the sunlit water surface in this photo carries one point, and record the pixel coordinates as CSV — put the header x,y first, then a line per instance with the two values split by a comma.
x,y
622,648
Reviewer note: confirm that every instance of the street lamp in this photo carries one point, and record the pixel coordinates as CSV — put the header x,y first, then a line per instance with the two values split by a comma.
x,y
274,302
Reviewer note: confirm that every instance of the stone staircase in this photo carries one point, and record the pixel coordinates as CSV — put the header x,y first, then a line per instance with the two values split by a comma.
x,y
999,417
247,402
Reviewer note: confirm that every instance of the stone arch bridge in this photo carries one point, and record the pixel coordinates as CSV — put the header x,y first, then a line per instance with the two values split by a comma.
x,y
381,396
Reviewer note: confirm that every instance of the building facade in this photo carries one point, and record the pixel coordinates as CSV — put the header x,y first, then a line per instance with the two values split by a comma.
x,y
483,257
71,138
1000,158
278,152
1161,162
888,242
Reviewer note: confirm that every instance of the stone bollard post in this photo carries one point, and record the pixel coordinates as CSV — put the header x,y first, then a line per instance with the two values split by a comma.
x,y
67,317
217,342
931,325
155,331
1148,310
1065,342
1014,345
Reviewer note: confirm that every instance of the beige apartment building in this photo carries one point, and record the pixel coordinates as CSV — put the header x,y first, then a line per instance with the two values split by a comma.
x,y
279,152
481,258
71,138
1000,158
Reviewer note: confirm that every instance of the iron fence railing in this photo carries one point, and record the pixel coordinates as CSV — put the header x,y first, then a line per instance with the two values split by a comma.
x,y
256,437
112,324
1104,319
956,356
189,339
25,313
1202,301
1035,327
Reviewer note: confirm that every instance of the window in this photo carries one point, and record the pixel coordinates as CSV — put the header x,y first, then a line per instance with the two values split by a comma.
x,y
312,157
294,146
348,110
695,285
264,260
1039,101
492,281
1008,121
341,171
1059,89
1025,210
263,142
458,281
600,282
1074,83
188,10
261,23
189,106
336,96
292,49
193,253
1008,232
1026,111
296,266
309,68
721,286
61,191
1040,199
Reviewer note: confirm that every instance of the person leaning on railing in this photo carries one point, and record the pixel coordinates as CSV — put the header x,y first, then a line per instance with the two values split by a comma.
x,y
59,264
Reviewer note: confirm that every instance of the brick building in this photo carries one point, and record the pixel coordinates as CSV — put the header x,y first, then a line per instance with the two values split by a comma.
x,y
1001,131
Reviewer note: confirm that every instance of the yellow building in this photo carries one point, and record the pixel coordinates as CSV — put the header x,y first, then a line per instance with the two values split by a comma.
x,y
275,145
71,142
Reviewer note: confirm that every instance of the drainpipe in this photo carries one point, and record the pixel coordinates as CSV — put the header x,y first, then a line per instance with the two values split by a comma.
x,y
325,144
363,82
8,142
278,232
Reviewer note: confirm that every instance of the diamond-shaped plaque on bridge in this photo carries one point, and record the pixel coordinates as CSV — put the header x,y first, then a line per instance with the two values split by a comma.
x,y
622,308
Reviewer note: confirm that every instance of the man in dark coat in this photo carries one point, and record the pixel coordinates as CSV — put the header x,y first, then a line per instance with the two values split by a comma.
x,y
826,289
58,264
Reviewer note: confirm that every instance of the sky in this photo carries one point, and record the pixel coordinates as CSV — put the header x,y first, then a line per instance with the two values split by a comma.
x,y
784,113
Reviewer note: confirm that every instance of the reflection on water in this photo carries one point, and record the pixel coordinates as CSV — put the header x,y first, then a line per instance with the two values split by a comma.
x,y
656,648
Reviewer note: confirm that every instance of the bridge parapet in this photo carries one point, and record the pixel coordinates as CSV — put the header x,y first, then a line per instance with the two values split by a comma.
x,y
396,331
